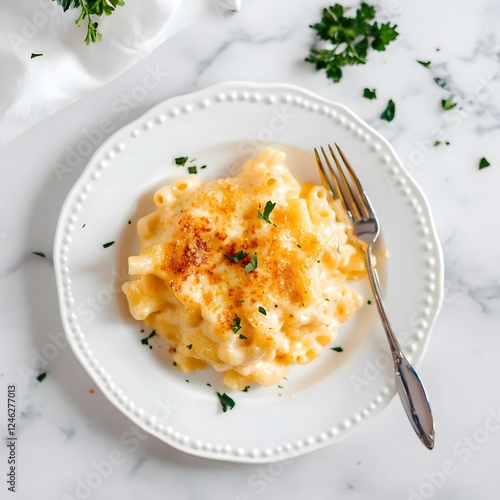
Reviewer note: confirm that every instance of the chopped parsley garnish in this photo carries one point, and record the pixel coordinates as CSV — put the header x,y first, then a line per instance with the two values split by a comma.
x,y
35,55
483,163
369,94
350,37
203,166
181,161
448,104
236,257
245,389
236,326
175,363
252,265
298,246
267,211
40,254
145,341
84,226
190,346
437,143
441,82
389,112
187,381
108,244
225,401
337,349
369,302
241,336
425,64
209,384
262,311
41,376
192,170
130,222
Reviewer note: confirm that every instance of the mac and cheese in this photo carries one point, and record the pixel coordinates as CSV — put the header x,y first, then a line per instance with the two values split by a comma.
x,y
235,282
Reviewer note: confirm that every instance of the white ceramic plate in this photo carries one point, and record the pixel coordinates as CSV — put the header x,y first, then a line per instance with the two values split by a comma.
x,y
318,404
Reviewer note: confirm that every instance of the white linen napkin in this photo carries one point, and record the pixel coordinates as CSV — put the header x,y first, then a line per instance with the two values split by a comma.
x,y
34,88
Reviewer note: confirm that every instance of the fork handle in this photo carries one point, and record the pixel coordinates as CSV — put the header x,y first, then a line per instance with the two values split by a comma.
x,y
410,389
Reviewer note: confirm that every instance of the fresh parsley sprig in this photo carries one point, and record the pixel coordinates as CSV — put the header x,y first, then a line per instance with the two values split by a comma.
x,y
88,9
350,37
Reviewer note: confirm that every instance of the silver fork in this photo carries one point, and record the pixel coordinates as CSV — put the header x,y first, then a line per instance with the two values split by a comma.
x,y
366,229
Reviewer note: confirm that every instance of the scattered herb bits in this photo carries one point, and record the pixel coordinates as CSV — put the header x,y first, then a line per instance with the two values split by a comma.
x,y
145,341
41,376
389,112
225,401
369,94
236,257
108,244
267,212
442,83
245,389
425,64
252,265
181,161
40,254
350,37
236,325
35,55
190,346
448,104
483,163
337,349
262,311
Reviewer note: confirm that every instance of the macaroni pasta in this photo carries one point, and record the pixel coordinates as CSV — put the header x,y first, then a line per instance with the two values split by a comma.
x,y
235,282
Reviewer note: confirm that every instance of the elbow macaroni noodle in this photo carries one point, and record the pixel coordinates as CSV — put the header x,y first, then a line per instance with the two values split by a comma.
x,y
249,324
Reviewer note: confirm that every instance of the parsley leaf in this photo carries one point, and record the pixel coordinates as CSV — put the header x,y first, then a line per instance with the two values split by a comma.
x,y
192,170
442,83
190,346
425,64
245,389
40,254
337,349
262,311
448,104
252,265
236,326
267,211
483,163
35,55
225,401
236,257
41,376
389,112
108,244
91,8
181,161
241,336
350,37
145,341
369,94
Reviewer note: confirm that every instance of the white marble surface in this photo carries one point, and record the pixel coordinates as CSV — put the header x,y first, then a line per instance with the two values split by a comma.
x,y
64,432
